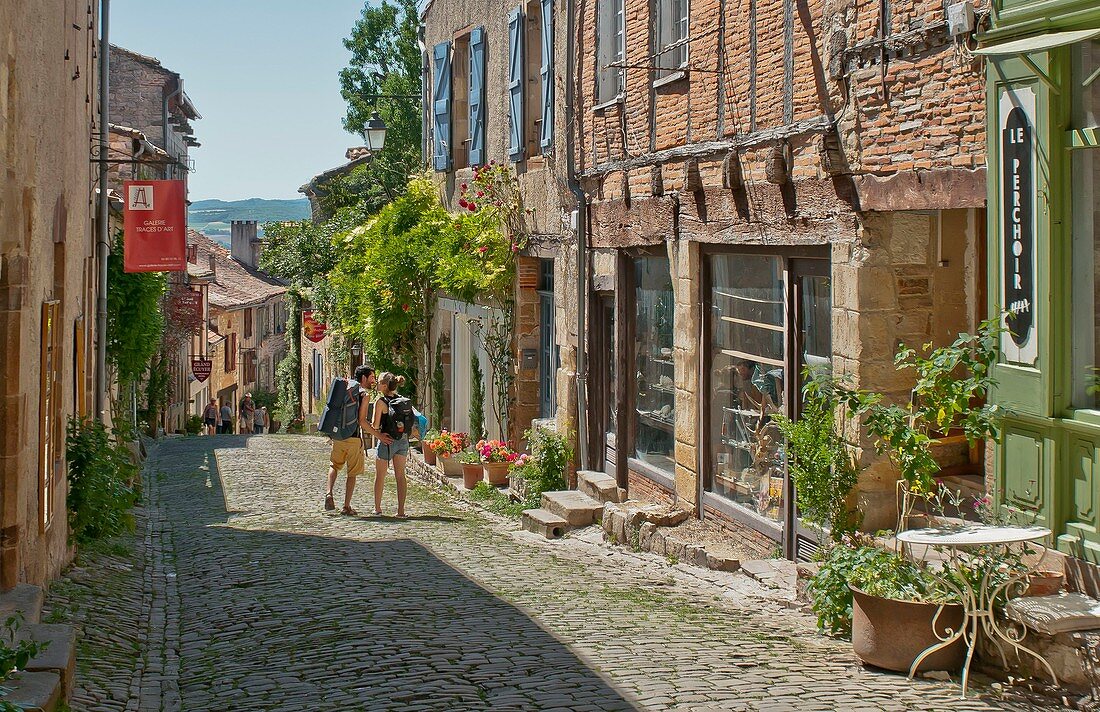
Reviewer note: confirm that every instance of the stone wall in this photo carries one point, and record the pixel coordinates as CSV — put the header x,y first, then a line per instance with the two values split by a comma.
x,y
137,93
47,108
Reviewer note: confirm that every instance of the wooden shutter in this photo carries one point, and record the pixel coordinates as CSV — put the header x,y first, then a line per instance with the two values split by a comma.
x,y
515,84
51,434
248,323
546,70
477,96
441,108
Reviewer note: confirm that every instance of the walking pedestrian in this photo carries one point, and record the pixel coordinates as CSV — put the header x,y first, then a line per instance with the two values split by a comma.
x,y
227,418
395,418
211,417
348,452
248,414
259,420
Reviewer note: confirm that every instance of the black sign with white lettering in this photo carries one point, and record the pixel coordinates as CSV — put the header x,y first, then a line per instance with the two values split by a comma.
x,y
1017,187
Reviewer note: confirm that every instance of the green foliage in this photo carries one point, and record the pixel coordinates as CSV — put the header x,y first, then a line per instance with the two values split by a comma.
x,y
437,385
14,655
477,399
496,501
819,460
950,381
135,321
193,426
545,471
157,392
876,571
265,399
100,498
288,374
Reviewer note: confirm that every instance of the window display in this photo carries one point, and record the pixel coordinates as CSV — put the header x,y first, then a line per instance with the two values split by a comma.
x,y
656,388
1086,232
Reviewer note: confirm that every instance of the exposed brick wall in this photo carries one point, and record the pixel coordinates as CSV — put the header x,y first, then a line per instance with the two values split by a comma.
x,y
645,489
753,542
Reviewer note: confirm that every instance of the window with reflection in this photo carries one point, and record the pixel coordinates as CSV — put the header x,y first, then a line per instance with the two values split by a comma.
x,y
1086,229
655,399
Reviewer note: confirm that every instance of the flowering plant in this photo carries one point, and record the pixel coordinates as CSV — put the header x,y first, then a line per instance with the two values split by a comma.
x,y
495,451
447,443
520,461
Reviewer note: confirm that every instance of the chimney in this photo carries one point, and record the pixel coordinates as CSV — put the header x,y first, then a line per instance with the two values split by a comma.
x,y
242,237
213,266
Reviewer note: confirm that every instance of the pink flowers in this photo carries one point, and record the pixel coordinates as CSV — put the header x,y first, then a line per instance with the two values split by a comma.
x,y
495,451
483,249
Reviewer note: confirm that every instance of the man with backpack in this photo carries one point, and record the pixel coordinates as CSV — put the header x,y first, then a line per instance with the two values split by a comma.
x,y
345,420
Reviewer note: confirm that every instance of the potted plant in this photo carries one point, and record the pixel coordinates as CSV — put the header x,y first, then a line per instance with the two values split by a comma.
x,y
429,453
446,445
496,457
471,469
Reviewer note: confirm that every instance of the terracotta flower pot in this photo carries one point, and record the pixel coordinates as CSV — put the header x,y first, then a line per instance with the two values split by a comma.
x,y
471,475
1044,583
429,454
890,634
496,472
451,466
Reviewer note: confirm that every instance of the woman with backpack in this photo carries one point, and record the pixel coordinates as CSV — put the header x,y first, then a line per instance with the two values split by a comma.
x,y
393,415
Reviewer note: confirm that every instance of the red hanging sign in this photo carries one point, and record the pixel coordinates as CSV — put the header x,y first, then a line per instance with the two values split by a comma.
x,y
314,330
190,302
201,368
155,226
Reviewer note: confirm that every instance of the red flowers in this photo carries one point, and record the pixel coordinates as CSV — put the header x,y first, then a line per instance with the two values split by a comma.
x,y
481,194
470,206
483,249
462,203
404,307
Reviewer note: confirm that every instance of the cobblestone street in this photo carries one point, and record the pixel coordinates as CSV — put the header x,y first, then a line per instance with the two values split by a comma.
x,y
239,592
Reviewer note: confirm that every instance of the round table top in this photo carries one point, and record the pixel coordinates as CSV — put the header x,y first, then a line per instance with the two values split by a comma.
x,y
972,535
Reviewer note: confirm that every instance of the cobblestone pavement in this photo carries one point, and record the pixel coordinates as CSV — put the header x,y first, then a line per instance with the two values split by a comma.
x,y
240,593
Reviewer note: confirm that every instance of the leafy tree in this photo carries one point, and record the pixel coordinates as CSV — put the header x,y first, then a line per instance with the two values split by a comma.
x,y
477,399
385,60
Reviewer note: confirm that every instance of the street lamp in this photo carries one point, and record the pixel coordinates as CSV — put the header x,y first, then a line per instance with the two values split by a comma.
x,y
356,350
375,133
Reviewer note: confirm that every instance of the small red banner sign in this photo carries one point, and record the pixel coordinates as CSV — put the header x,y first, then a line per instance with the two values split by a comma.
x,y
190,301
314,330
201,368
155,226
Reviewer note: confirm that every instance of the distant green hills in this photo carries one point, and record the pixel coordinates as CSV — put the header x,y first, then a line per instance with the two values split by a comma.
x,y
212,217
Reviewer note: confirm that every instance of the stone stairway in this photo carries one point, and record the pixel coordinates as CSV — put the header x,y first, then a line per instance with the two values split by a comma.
x,y
47,680
572,509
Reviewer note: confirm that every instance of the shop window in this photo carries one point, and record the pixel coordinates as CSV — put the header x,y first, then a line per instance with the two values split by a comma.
x,y
610,50
762,334
1086,231
655,403
672,32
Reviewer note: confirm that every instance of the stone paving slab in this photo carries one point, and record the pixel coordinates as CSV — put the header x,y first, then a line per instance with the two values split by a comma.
x,y
250,596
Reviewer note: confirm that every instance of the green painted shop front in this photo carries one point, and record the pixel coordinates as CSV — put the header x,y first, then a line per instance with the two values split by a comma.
x,y
1043,100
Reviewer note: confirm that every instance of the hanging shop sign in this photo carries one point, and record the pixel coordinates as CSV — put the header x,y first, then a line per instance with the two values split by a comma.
x,y
200,366
314,330
155,226
189,302
1018,226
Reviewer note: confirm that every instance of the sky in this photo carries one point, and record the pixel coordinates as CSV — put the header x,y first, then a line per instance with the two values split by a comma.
x,y
264,75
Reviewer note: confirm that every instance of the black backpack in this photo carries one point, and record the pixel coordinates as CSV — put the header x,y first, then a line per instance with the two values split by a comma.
x,y
340,418
399,418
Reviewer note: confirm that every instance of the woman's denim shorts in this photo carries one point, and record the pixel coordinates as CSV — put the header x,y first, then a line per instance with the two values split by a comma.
x,y
397,447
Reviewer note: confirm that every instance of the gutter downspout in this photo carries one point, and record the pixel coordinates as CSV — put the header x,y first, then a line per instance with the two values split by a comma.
x,y
420,32
103,245
580,223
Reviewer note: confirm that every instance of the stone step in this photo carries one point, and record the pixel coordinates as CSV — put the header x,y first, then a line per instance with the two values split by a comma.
x,y
544,522
575,507
25,599
600,486
59,655
34,691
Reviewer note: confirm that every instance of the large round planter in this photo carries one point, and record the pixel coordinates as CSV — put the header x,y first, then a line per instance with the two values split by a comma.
x,y
471,475
890,634
429,454
451,466
497,472
1044,583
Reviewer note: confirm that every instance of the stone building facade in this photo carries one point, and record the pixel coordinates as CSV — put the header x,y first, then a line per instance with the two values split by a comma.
x,y
771,186
48,100
495,87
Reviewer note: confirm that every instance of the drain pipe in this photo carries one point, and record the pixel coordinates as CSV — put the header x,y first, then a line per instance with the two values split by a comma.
x,y
103,244
580,224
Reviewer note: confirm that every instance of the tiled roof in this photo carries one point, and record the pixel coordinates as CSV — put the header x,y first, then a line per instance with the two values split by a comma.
x,y
356,152
234,285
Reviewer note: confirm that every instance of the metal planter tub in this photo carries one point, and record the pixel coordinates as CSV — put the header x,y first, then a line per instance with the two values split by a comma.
x,y
890,634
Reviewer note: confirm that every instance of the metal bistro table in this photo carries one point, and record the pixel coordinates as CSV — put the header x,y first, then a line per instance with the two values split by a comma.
x,y
977,597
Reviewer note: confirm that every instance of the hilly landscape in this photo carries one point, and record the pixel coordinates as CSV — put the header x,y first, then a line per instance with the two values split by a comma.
x,y
212,217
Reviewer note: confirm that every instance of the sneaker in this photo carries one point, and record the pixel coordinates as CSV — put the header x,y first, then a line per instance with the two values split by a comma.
x,y
330,503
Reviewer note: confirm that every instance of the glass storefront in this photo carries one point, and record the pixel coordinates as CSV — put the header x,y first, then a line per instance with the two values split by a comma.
x,y
655,385
1086,230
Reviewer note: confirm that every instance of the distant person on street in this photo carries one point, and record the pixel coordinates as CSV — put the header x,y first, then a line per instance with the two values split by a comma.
x,y
211,417
248,414
393,417
227,419
348,453
259,421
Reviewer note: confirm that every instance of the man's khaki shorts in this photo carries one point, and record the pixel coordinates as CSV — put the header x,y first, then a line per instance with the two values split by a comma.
x,y
348,452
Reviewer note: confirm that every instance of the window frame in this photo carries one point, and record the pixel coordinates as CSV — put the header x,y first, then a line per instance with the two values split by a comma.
x,y
672,34
616,11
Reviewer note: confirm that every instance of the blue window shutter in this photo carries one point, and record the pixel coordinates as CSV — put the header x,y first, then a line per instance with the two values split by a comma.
x,y
477,96
515,84
441,108
546,70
